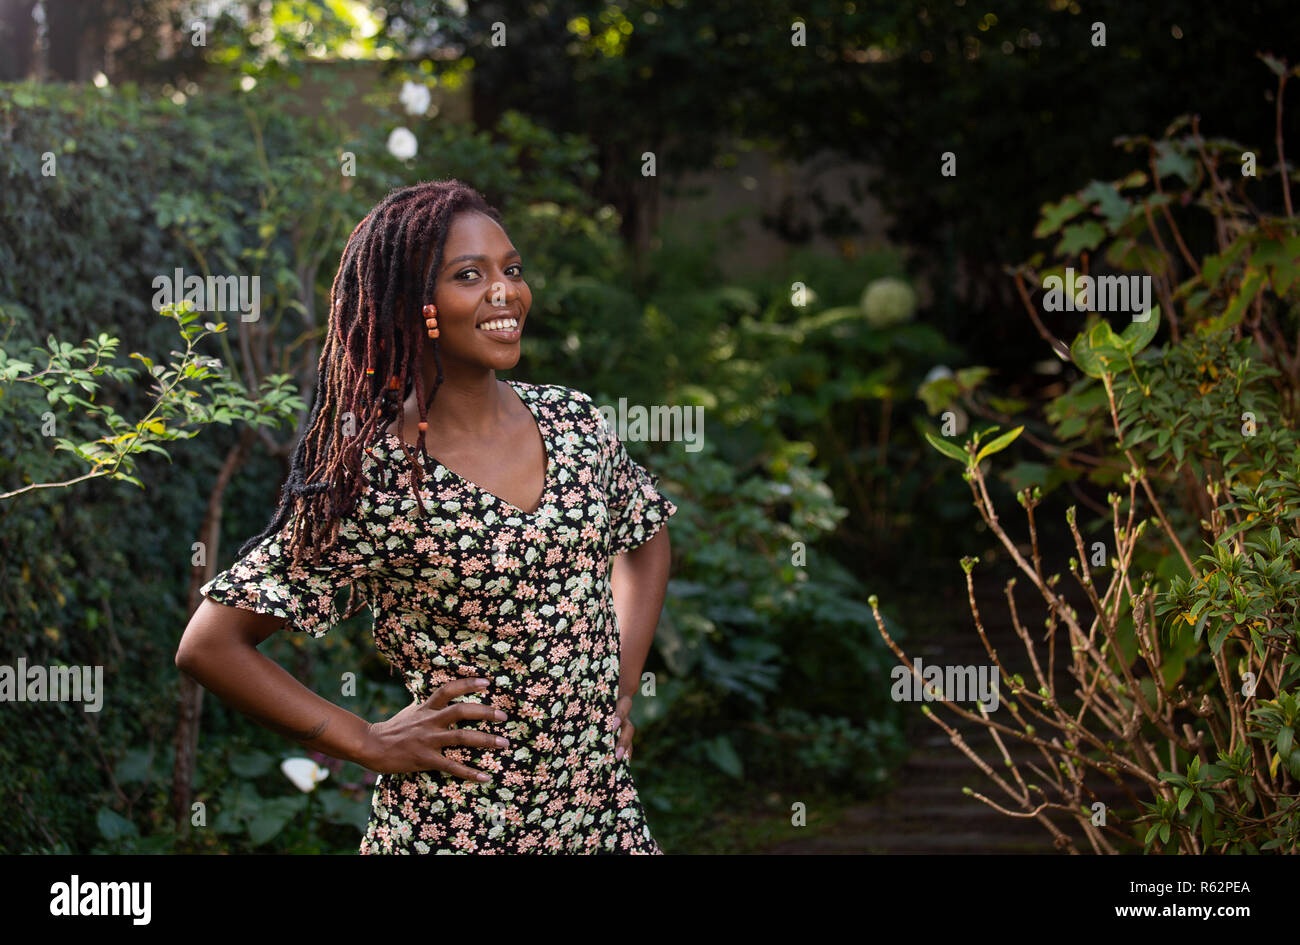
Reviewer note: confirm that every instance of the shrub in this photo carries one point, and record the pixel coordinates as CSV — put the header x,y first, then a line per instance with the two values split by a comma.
x,y
1185,665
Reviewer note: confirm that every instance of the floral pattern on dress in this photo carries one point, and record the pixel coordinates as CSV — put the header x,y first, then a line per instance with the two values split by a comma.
x,y
480,587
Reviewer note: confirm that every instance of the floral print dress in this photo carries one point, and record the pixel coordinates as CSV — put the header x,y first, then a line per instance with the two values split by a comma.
x,y
482,588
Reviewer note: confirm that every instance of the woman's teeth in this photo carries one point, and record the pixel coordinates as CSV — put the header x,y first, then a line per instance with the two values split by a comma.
x,y
500,324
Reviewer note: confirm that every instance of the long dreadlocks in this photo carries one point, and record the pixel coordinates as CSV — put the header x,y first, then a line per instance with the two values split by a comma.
x,y
373,351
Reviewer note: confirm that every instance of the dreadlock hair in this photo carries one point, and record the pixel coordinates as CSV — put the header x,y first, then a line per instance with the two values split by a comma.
x,y
373,351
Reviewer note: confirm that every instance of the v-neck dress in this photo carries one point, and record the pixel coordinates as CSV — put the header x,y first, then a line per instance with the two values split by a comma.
x,y
480,588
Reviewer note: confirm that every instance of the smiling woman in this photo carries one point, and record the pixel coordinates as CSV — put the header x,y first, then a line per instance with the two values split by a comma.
x,y
516,582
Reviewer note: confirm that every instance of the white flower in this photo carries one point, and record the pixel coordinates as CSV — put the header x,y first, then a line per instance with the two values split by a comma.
x,y
888,301
414,98
937,372
401,144
304,773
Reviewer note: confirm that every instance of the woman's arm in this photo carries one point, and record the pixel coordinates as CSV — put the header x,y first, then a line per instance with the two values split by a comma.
x,y
639,583
219,650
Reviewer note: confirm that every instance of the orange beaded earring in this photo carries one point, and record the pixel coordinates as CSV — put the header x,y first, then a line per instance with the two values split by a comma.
x,y
431,321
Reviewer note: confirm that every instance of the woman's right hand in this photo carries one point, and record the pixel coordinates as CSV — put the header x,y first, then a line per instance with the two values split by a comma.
x,y
414,738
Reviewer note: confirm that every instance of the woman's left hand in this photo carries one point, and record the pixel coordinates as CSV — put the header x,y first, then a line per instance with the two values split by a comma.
x,y
625,728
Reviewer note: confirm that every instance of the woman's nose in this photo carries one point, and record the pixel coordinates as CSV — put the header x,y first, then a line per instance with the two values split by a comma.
x,y
502,293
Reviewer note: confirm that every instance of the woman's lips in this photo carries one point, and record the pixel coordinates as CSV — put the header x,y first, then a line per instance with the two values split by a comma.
x,y
503,334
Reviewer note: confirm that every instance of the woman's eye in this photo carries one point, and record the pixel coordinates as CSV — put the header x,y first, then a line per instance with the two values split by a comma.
x,y
517,266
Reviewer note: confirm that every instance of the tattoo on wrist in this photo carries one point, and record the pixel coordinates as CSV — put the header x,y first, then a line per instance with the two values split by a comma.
x,y
293,734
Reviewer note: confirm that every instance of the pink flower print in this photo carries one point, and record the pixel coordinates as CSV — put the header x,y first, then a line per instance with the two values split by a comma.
x,y
401,525
464,841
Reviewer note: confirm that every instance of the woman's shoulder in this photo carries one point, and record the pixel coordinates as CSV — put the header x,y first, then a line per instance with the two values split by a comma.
x,y
578,400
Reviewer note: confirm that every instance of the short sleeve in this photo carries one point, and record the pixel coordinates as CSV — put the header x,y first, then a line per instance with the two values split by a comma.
x,y
266,582
637,508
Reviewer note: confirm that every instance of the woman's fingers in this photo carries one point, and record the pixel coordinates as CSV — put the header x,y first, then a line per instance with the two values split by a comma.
x,y
460,770
625,732
457,687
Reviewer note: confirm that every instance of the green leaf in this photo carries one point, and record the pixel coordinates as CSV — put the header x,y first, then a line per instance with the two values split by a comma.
x,y
951,450
1054,215
273,817
1172,162
1270,61
134,766
113,826
1085,359
1104,342
251,764
723,755
1080,237
1138,334
1250,286
999,444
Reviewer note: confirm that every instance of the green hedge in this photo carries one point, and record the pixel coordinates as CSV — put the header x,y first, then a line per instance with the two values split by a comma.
x,y
98,574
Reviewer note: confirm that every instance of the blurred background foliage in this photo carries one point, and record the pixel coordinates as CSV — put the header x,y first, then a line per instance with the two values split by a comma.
x,y
815,485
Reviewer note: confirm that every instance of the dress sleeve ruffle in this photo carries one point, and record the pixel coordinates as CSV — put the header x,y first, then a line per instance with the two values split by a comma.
x,y
265,582
637,506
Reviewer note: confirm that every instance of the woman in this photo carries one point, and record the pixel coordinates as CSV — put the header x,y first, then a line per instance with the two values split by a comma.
x,y
487,569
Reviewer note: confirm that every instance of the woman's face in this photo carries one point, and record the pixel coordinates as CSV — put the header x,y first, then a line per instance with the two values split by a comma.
x,y
481,281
